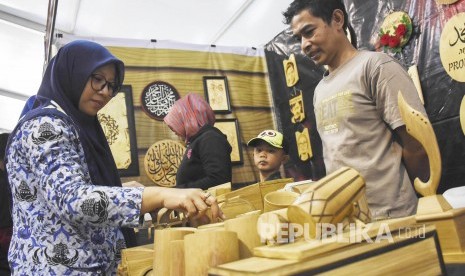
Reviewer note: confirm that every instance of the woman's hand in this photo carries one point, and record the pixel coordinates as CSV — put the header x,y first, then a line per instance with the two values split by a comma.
x,y
193,202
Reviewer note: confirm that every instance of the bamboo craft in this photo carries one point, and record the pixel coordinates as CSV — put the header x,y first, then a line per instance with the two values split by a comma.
x,y
236,206
278,200
136,260
273,185
162,247
433,208
271,226
251,195
335,197
206,249
245,226
414,254
308,247
177,265
420,128
220,189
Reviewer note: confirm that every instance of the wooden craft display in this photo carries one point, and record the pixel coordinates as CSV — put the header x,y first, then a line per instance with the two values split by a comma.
x,y
335,197
271,226
136,260
434,208
383,258
338,197
177,265
220,189
300,186
273,185
419,127
162,247
235,206
206,249
254,193
245,227
226,248
278,200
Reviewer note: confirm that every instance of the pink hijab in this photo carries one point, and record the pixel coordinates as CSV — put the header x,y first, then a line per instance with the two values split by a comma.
x,y
188,115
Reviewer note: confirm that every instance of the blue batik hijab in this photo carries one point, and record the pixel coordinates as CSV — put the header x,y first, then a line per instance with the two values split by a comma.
x,y
63,82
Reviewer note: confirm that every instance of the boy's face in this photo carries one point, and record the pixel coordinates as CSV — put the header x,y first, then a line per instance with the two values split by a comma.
x,y
268,158
317,38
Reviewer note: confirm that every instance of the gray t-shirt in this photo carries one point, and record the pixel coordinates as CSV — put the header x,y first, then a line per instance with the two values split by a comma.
x,y
356,112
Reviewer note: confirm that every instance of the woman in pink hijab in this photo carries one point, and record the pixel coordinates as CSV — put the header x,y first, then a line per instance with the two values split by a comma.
x,y
207,160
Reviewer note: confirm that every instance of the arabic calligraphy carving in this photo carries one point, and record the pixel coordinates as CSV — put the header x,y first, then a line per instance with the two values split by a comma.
x,y
157,99
162,161
109,126
115,125
452,47
460,31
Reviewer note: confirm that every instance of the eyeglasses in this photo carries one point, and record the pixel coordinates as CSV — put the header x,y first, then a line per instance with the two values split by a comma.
x,y
98,83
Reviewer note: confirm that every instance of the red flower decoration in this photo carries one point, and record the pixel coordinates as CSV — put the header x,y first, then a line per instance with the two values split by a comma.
x,y
401,30
189,153
384,40
395,32
394,41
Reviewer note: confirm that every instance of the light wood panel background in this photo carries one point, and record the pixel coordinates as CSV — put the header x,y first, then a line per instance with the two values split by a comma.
x,y
249,93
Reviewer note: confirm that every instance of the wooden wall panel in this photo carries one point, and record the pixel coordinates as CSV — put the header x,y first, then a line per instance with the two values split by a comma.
x,y
245,90
251,122
143,57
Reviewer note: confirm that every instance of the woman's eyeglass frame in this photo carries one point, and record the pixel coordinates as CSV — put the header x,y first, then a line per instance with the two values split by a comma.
x,y
98,83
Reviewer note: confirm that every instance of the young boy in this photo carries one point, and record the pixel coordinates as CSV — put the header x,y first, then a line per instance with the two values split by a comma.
x,y
270,152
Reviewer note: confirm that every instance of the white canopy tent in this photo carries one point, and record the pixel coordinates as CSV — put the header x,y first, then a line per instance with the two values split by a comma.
x,y
237,23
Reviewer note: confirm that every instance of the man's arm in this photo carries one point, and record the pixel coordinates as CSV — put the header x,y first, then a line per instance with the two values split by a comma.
x,y
413,155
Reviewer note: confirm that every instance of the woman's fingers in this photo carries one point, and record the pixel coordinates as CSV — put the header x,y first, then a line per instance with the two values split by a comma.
x,y
200,204
194,202
189,207
214,208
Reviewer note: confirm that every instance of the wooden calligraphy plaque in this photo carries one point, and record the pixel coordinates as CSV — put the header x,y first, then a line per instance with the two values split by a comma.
x,y
162,160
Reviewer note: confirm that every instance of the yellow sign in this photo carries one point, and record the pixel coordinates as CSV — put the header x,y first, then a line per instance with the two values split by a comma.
x,y
452,47
446,2
290,70
304,145
297,108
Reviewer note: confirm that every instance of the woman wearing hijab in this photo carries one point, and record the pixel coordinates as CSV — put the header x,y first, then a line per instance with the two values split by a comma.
x,y
207,160
69,208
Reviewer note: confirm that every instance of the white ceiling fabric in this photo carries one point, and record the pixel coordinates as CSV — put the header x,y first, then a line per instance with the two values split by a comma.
x,y
231,23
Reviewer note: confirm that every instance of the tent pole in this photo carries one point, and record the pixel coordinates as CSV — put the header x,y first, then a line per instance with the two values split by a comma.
x,y
228,24
49,29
